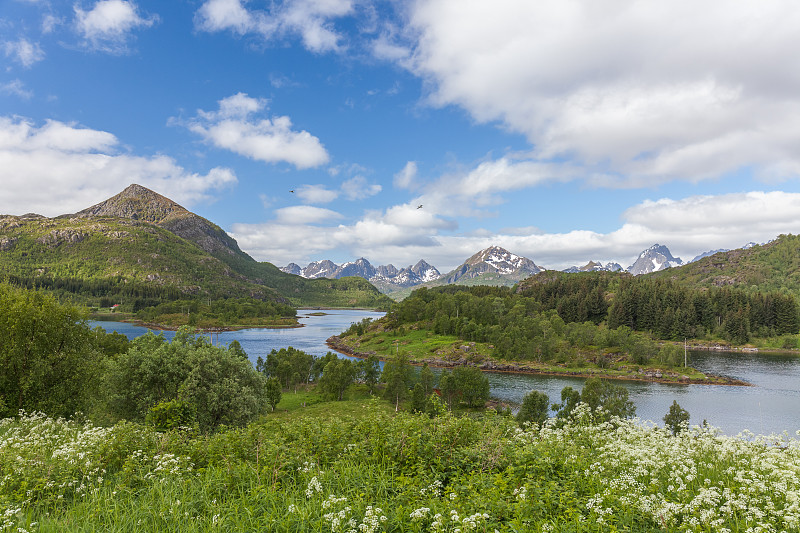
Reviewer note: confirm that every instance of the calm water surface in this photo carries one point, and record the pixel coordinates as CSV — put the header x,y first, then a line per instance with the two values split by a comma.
x,y
771,405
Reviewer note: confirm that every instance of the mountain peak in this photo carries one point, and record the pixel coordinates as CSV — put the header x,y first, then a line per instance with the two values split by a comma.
x,y
497,260
141,204
657,257
137,203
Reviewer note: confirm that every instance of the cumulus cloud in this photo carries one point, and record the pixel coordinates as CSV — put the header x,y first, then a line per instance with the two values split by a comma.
x,y
109,24
403,234
639,92
305,214
23,52
311,20
357,188
233,127
59,168
316,194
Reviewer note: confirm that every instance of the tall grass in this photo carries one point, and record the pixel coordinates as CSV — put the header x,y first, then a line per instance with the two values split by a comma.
x,y
377,471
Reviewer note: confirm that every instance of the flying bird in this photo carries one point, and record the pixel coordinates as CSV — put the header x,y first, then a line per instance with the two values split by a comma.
x,y
292,191
419,206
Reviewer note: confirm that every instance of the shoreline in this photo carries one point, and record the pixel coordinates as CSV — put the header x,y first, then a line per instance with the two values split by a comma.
x,y
218,329
650,376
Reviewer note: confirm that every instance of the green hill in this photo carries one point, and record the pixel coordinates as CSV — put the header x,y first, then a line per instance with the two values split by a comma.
x,y
774,266
140,245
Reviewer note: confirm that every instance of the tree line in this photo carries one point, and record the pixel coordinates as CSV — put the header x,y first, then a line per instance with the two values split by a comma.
x,y
552,316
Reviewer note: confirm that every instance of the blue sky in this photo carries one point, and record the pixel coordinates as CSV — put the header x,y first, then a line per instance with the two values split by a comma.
x,y
562,130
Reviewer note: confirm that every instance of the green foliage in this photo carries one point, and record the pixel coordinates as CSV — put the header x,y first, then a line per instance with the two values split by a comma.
x,y
602,398
337,376
434,406
418,399
398,375
427,380
110,344
535,408
273,392
677,419
384,472
369,372
472,385
222,387
291,366
48,361
172,414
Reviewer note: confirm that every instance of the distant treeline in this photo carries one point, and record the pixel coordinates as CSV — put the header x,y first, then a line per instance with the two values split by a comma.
x,y
105,291
551,312
151,301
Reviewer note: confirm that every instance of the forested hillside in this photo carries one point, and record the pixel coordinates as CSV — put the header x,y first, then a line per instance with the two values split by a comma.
x,y
774,266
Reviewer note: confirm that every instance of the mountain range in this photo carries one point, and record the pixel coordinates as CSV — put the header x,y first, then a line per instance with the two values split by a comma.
x,y
384,277
145,247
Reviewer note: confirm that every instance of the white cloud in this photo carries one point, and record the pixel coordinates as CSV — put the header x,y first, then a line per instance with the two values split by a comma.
x,y
316,194
220,15
357,188
403,234
638,92
24,52
108,25
269,140
16,87
61,168
311,20
305,214
469,192
406,178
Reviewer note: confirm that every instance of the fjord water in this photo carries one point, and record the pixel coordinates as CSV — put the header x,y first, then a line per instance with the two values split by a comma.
x,y
770,405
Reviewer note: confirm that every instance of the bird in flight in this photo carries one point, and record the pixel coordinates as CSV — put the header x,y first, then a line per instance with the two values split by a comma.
x,y
292,191
419,206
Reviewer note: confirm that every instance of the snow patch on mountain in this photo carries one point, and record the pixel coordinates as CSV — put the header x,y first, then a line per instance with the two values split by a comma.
x,y
657,257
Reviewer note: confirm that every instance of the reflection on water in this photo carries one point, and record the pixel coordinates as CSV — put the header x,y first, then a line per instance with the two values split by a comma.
x,y
771,405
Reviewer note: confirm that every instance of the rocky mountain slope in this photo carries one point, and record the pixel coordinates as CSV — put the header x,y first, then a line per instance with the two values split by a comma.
x,y
655,258
493,260
594,266
146,246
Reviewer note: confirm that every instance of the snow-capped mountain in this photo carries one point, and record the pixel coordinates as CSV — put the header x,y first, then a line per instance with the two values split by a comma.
x,y
494,260
594,266
385,277
320,269
360,267
655,258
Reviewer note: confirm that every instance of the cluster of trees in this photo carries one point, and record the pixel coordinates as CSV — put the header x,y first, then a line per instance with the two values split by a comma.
x,y
602,398
400,380
672,311
217,384
199,312
553,314
51,361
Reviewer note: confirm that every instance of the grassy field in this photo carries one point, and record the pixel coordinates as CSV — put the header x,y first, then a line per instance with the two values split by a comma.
x,y
356,466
